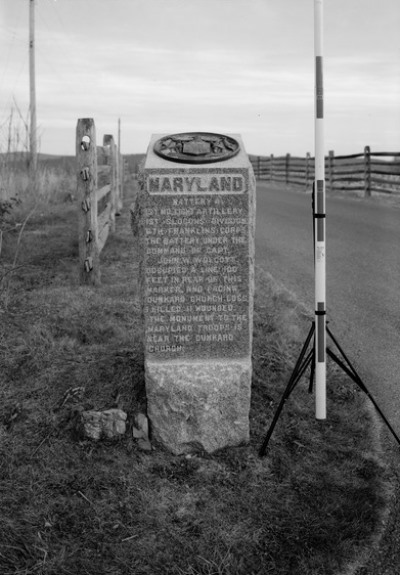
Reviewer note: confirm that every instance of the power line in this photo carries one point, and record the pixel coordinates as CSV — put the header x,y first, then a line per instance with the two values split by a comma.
x,y
14,38
11,99
57,12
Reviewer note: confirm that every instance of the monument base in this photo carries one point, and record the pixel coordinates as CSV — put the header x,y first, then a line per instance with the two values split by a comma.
x,y
199,406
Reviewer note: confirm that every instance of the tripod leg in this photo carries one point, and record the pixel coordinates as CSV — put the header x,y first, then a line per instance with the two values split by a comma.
x,y
270,431
341,351
302,368
349,370
303,353
312,372
294,378
352,373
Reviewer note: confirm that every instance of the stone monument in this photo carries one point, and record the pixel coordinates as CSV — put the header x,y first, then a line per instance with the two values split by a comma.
x,y
196,219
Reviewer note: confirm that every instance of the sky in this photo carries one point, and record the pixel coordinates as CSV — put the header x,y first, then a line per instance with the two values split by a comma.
x,y
226,66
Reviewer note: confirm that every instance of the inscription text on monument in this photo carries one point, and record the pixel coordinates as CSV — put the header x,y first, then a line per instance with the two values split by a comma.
x,y
196,280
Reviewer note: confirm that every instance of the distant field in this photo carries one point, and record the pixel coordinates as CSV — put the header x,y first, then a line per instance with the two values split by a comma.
x,y
20,160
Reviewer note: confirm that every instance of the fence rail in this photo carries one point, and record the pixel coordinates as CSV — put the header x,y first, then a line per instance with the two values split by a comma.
x,y
100,192
365,172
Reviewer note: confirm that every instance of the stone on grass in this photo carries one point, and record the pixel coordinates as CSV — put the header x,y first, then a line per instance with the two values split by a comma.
x,y
140,432
104,424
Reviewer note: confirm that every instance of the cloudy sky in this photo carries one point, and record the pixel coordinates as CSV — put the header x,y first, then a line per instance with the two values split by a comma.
x,y
230,66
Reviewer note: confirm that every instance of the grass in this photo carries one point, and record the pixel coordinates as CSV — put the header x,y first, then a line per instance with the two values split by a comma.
x,y
73,506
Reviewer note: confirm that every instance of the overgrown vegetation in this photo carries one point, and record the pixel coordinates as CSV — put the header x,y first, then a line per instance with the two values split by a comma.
x,y
78,507
21,196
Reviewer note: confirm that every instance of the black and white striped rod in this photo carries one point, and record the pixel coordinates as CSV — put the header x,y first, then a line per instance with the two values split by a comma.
x,y
319,220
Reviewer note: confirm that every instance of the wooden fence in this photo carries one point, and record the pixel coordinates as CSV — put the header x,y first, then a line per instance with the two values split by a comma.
x,y
99,192
368,172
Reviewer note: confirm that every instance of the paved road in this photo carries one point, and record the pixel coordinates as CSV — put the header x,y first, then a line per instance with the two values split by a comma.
x,y
363,277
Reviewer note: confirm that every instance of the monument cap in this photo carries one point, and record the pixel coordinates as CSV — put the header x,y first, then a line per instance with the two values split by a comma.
x,y
196,147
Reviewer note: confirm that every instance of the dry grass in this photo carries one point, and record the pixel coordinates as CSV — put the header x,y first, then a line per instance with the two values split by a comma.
x,y
78,507
55,181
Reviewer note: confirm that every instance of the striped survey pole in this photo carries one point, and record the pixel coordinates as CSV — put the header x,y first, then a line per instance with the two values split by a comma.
x,y
319,221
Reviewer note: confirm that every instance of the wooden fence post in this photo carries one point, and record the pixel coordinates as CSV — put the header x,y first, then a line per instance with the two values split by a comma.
x,y
86,156
331,159
114,183
121,180
108,140
119,164
116,179
307,168
271,168
287,168
258,167
118,205
367,171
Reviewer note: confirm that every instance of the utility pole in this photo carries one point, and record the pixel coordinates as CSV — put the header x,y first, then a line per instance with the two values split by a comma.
x,y
120,164
32,93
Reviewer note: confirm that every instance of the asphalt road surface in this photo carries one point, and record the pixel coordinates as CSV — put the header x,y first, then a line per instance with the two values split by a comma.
x,y
363,277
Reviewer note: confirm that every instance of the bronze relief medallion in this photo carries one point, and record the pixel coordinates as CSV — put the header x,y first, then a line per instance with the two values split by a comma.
x,y
196,148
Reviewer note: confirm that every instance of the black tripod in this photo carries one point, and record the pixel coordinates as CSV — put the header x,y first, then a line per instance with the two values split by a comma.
x,y
307,358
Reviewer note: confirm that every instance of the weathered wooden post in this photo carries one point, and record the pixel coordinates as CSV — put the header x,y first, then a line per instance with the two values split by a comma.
x,y
331,159
120,167
108,140
120,180
271,168
259,167
118,205
116,160
287,168
307,174
114,182
86,156
367,171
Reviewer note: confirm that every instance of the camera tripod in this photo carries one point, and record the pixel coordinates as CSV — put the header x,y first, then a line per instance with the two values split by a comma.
x,y
319,328
306,359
